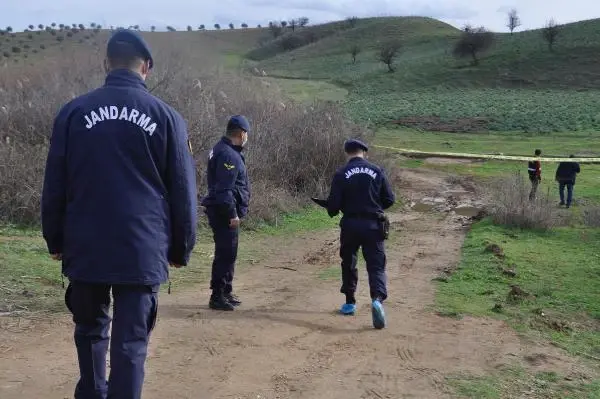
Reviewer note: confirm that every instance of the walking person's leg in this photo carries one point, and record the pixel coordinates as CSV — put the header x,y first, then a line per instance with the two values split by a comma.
x,y
569,194
349,245
561,191
134,316
89,304
534,187
374,252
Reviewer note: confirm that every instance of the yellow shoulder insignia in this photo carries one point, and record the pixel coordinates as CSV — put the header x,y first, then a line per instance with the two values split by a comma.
x,y
229,167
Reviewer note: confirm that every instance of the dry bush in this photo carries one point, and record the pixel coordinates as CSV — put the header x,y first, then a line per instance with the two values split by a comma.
x,y
591,216
510,205
292,153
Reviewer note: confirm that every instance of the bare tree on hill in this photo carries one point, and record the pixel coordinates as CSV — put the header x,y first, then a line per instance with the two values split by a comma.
x,y
41,27
303,21
550,33
352,21
231,25
189,28
276,29
514,21
473,42
217,26
284,24
293,24
354,51
245,25
153,28
201,27
388,53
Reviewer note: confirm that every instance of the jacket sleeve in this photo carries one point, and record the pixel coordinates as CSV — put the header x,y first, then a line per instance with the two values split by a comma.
x,y
181,187
334,201
226,173
54,191
387,195
538,168
577,168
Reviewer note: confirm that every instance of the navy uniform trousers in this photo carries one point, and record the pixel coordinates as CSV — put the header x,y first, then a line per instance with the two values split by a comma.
x,y
226,249
134,316
357,233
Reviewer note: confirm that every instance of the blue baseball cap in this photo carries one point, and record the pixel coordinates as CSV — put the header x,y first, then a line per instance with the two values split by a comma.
x,y
238,122
133,38
353,145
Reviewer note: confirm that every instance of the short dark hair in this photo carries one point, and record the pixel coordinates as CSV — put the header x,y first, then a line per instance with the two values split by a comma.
x,y
538,152
124,55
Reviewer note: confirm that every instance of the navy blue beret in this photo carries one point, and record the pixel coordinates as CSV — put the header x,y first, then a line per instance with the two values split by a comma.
x,y
238,122
133,38
353,145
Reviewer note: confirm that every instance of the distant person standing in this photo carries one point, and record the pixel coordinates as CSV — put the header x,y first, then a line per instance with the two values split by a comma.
x,y
226,205
566,174
361,191
534,170
118,207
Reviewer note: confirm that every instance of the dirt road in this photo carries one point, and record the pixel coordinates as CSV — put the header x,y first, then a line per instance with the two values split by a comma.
x,y
287,341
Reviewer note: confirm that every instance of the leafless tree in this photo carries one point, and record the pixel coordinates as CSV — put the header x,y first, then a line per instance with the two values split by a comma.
x,y
550,33
388,53
514,21
354,51
473,42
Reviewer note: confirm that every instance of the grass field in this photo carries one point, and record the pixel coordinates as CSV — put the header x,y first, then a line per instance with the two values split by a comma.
x,y
519,85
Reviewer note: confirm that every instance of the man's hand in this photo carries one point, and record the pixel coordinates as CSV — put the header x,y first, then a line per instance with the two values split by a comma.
x,y
234,223
56,256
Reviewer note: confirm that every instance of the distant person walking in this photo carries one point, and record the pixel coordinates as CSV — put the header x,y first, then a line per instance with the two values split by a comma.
x,y
566,174
534,170
118,207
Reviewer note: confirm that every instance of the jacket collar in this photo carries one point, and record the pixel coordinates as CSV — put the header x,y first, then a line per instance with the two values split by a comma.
x,y
125,78
227,141
355,159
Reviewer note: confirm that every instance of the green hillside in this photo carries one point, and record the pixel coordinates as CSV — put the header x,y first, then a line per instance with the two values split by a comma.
x,y
519,84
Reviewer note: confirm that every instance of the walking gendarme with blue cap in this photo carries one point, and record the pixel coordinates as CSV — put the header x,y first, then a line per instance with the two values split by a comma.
x,y
119,205
361,191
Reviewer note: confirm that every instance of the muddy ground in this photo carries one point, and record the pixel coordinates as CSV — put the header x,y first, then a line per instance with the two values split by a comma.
x,y
286,341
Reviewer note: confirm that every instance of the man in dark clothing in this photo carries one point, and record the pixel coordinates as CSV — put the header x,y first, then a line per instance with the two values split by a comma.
x,y
534,170
361,191
226,203
118,206
566,174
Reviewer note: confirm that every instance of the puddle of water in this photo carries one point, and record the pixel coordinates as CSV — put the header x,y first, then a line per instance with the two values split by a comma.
x,y
421,207
468,211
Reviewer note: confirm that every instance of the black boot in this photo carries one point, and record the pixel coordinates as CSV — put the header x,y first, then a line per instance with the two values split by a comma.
x,y
218,301
232,299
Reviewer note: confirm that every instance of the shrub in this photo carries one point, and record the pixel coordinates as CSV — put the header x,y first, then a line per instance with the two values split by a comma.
x,y
16,50
591,216
510,205
284,164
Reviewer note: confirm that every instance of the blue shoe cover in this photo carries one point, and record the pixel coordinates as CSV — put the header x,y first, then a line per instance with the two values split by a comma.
x,y
348,309
378,315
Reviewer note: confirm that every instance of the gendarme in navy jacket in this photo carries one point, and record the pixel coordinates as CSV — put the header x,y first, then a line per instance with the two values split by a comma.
x,y
359,189
119,197
227,178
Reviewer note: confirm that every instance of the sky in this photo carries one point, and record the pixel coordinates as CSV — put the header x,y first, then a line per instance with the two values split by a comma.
x,y
180,13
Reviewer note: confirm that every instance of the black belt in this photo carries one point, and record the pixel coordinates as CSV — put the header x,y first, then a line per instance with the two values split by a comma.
x,y
366,216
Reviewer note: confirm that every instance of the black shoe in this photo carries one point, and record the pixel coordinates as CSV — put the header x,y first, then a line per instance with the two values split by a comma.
x,y
561,204
232,299
220,303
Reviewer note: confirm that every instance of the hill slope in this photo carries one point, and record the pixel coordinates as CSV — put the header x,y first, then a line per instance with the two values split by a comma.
x,y
519,84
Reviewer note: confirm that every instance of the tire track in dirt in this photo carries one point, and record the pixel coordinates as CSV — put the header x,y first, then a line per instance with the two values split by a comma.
x,y
287,342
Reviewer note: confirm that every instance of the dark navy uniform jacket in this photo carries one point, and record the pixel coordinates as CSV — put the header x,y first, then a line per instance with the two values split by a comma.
x,y
567,172
360,190
227,178
119,199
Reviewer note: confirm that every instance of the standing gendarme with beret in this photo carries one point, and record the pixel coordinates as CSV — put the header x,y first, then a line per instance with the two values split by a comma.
x,y
119,204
